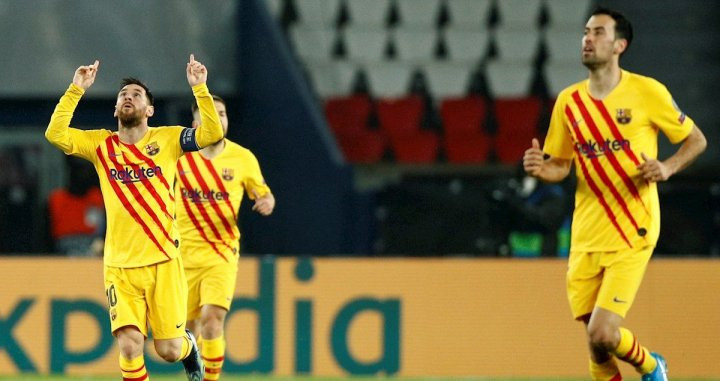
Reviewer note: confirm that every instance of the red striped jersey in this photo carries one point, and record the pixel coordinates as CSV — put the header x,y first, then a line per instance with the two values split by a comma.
x,y
135,179
615,207
209,193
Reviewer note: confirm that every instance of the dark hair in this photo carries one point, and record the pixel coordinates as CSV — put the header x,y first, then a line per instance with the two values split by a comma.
x,y
135,81
623,28
194,106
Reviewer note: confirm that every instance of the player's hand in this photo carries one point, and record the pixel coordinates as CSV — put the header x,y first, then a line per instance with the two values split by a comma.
x,y
653,170
85,75
533,159
196,72
265,204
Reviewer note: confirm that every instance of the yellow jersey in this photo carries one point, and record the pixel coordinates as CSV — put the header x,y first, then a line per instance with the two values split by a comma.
x,y
615,208
135,179
209,192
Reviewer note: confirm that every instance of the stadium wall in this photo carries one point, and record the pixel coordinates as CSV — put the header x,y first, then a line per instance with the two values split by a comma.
x,y
405,317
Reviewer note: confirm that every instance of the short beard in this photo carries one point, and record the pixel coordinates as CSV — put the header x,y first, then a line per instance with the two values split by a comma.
x,y
130,120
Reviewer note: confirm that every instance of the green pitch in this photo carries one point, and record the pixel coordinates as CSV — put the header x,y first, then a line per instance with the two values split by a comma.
x,y
181,377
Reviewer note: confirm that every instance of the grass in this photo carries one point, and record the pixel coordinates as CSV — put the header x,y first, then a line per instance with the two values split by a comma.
x,y
34,377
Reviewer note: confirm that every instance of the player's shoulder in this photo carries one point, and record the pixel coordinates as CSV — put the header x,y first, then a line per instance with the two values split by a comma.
x,y
644,83
237,150
567,92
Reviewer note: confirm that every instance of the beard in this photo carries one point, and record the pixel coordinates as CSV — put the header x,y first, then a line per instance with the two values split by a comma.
x,y
130,119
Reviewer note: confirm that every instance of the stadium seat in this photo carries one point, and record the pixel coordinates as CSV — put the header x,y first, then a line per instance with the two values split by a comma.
x,y
447,80
569,15
469,14
468,45
332,79
559,75
415,44
517,122
463,122
313,43
317,12
400,119
365,44
519,14
419,13
348,118
517,45
563,45
371,13
388,79
509,79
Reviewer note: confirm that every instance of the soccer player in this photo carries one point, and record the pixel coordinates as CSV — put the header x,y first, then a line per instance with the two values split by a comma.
x,y
210,185
608,125
144,278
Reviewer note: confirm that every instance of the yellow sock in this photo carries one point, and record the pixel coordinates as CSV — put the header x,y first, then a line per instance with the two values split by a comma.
x,y
630,351
213,355
607,371
185,349
133,370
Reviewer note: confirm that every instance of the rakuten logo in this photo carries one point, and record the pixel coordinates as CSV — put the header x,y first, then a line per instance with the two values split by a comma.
x,y
129,175
593,149
198,195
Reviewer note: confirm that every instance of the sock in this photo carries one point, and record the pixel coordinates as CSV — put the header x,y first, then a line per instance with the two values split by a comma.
x,y
186,348
213,355
607,371
133,370
630,351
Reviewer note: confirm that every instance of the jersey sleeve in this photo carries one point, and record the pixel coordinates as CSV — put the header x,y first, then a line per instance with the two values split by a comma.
x,y
666,115
210,130
254,182
71,141
558,142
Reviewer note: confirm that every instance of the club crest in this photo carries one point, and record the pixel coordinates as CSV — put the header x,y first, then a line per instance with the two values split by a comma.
x,y
623,115
228,174
152,149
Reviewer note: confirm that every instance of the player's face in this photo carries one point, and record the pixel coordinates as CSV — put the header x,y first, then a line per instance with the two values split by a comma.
x,y
131,106
599,46
222,112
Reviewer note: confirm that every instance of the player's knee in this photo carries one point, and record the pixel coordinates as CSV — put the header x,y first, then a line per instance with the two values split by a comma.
x,y
212,322
605,337
169,351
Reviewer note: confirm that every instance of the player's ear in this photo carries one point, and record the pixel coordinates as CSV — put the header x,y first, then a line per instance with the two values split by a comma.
x,y
150,111
115,111
620,45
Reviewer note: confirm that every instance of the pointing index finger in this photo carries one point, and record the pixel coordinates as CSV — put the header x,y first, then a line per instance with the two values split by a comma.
x,y
192,58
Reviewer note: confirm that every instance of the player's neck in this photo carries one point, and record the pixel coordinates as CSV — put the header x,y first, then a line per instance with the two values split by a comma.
x,y
213,150
132,135
603,80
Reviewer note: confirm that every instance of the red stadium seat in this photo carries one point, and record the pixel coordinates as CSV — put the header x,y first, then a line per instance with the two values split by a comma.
x,y
517,122
348,118
400,119
463,121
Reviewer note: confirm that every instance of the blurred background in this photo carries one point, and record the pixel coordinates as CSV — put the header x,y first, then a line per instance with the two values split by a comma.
x,y
384,127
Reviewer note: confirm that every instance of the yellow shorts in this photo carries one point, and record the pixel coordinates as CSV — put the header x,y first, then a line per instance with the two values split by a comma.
x,y
154,295
608,280
210,285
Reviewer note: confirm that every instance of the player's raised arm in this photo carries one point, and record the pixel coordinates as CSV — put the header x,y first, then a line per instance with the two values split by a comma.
x,y
57,132
210,130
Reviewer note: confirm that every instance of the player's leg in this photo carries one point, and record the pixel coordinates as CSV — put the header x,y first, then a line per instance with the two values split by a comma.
x,y
624,271
194,276
584,278
167,313
127,319
216,290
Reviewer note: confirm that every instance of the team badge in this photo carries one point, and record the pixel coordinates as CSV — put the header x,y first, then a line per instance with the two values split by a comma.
x,y
228,174
152,148
623,115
